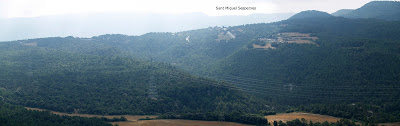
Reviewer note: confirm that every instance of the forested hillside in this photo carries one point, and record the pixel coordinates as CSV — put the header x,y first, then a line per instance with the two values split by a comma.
x,y
342,12
11,115
312,62
310,14
84,83
352,61
385,10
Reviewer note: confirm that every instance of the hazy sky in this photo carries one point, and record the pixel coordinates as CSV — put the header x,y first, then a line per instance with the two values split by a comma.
x,y
33,8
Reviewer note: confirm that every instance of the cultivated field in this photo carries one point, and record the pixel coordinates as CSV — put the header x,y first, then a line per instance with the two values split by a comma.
x,y
267,46
389,124
295,37
30,44
287,37
128,117
284,117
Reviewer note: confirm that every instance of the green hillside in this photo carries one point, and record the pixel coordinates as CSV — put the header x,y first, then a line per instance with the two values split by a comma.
x,y
312,62
342,12
11,115
385,10
69,82
311,14
352,61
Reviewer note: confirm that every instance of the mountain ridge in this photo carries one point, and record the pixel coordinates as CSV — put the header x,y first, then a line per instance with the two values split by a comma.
x,y
310,14
342,12
386,10
121,23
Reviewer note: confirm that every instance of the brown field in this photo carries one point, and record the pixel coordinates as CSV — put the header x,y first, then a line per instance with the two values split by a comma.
x,y
295,37
133,120
284,117
312,38
389,124
267,46
177,122
294,34
128,117
301,42
30,44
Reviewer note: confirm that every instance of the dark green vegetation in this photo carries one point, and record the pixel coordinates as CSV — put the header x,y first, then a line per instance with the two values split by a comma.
x,y
115,119
342,12
386,10
234,116
107,84
311,14
368,113
356,61
252,119
352,71
11,115
303,122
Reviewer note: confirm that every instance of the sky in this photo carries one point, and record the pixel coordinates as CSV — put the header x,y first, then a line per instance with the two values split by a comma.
x,y
35,8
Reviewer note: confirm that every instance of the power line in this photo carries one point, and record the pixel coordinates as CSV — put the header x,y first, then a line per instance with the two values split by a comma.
x,y
255,90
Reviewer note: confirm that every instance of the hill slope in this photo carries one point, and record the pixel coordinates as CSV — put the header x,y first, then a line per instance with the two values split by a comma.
x,y
12,115
86,83
342,12
313,61
352,61
311,14
386,10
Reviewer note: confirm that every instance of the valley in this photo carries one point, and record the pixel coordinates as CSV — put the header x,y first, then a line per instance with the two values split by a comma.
x,y
314,65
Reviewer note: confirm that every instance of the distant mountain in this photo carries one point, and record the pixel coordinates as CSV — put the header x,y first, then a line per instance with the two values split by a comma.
x,y
311,14
342,12
120,23
386,10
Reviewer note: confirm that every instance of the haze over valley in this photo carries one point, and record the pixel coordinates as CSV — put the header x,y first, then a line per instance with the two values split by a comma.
x,y
286,63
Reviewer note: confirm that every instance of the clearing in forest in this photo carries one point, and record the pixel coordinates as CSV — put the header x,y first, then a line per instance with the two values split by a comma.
x,y
296,37
30,44
128,117
225,36
284,117
286,37
266,46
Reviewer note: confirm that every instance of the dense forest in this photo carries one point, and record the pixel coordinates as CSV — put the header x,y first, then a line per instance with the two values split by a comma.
x,y
84,83
303,122
313,62
11,115
385,10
